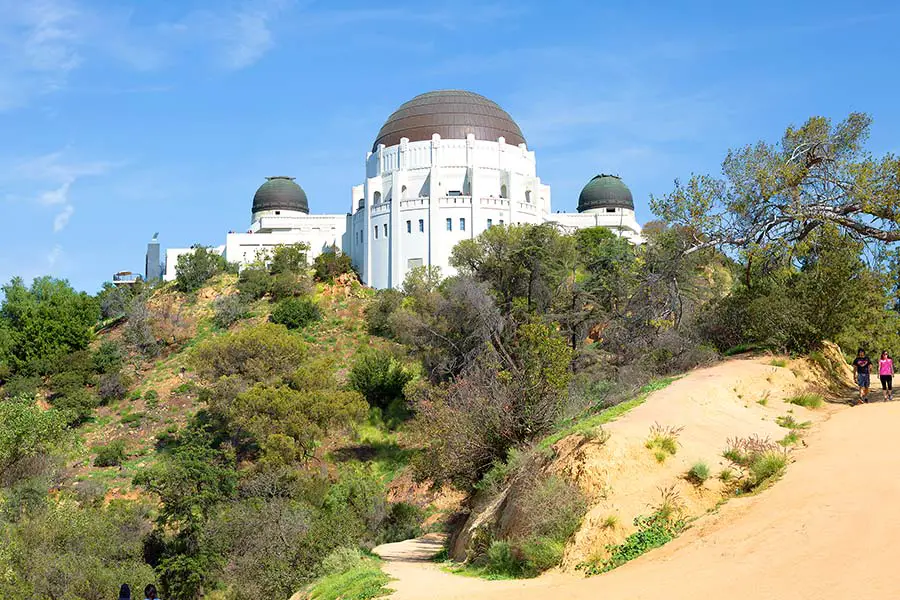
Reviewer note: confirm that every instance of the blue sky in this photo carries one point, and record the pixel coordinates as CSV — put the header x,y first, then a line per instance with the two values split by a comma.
x,y
122,118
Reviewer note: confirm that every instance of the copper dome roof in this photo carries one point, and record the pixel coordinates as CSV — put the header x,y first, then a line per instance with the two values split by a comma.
x,y
452,114
280,193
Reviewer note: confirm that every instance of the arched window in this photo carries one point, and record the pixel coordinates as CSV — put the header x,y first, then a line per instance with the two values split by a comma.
x,y
403,193
362,202
528,196
503,191
377,199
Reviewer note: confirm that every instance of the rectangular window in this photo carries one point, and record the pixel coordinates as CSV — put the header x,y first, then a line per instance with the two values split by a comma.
x,y
612,210
376,232
385,230
462,224
409,227
490,223
412,263
501,221
454,193
449,224
421,225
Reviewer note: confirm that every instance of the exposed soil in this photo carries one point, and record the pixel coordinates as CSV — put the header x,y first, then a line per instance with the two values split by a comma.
x,y
817,533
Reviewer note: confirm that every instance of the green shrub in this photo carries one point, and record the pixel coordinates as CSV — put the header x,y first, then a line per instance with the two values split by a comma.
x,y
110,455
109,357
403,522
698,474
188,387
379,377
331,264
811,401
778,362
378,313
133,420
27,432
361,583
113,386
20,386
228,310
790,439
151,398
258,353
78,405
541,554
254,283
195,268
500,560
296,313
341,560
760,461
766,467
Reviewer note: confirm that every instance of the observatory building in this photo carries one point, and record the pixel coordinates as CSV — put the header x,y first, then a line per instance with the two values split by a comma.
x,y
445,166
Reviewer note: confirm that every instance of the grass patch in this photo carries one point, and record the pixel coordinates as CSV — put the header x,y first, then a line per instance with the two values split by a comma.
x,y
610,522
133,420
759,461
698,474
360,583
588,425
111,455
791,439
726,475
663,441
789,422
653,531
779,362
811,401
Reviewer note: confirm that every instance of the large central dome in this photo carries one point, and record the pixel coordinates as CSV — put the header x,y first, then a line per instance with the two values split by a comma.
x,y
452,114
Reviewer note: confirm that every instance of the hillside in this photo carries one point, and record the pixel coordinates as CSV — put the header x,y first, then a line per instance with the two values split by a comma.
x,y
816,508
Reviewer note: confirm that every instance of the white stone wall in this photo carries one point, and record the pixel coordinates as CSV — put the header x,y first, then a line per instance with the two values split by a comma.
x,y
473,183
619,220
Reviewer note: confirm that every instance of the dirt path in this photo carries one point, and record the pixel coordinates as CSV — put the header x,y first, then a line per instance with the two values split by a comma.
x,y
827,531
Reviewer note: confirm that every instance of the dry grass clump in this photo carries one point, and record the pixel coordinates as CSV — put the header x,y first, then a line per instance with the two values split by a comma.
x,y
663,441
759,461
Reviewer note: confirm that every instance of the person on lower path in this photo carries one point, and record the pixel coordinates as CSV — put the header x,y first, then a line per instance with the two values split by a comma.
x,y
861,366
124,592
886,373
150,592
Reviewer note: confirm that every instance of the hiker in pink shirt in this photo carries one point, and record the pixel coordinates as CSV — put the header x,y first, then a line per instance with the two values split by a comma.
x,y
886,372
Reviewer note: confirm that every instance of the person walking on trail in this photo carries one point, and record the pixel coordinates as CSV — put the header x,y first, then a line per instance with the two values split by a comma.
x,y
124,592
886,374
150,592
861,366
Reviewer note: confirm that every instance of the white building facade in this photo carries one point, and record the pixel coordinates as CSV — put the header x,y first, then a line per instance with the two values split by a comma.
x,y
445,167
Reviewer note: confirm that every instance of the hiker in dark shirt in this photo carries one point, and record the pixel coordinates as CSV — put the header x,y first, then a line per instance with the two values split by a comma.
x,y
862,366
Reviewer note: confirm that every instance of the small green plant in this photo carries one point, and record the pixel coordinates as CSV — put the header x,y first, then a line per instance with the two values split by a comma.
x,y
111,455
653,531
759,460
764,401
610,522
663,441
185,388
151,397
791,439
295,313
133,420
779,362
789,422
726,475
698,474
500,560
767,467
363,582
811,401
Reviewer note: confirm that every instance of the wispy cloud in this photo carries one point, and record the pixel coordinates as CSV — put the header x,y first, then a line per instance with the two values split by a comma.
x,y
60,171
54,255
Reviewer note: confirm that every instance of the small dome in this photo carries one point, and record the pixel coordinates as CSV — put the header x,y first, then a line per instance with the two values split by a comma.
x,y
605,191
452,114
280,193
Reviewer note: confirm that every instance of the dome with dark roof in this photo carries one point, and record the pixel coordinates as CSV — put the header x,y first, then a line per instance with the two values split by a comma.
x,y
280,193
452,114
605,191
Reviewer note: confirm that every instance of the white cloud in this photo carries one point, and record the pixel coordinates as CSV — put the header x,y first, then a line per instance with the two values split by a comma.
x,y
54,255
62,218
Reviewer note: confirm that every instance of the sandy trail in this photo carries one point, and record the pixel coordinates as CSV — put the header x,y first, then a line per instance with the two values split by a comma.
x,y
827,530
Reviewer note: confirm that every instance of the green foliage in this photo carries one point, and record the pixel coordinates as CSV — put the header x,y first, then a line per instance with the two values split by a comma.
x,y
110,455
364,582
501,560
78,552
254,283
653,531
541,554
663,441
195,268
288,258
331,264
28,434
42,323
403,522
341,560
228,310
778,362
379,377
109,357
811,401
255,354
766,467
379,312
759,461
789,422
77,405
698,474
296,313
